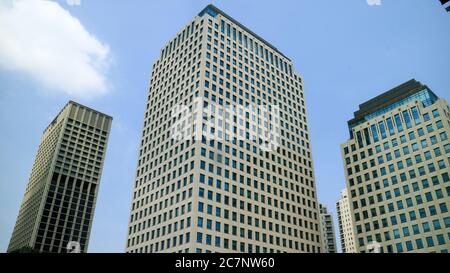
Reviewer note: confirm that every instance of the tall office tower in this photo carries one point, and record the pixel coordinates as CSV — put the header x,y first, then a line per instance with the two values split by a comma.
x,y
397,170
225,193
327,230
345,223
58,205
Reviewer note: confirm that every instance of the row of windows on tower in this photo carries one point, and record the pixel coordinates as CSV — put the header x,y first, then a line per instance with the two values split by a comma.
x,y
393,125
416,152
410,244
238,74
258,49
248,66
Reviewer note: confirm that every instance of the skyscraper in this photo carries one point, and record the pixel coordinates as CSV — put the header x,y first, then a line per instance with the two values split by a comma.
x,y
345,223
397,168
59,201
327,230
241,177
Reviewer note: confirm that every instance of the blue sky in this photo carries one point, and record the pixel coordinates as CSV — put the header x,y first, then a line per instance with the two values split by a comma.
x,y
346,51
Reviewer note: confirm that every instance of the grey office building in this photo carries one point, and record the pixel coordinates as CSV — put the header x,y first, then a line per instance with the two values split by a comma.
x,y
59,201
228,193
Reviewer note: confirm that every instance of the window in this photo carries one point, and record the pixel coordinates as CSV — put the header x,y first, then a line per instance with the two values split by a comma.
x,y
447,222
409,245
398,123
202,178
390,126
436,224
374,133
407,119
441,240
199,237
399,247
382,129
419,243
416,229
426,227
415,114
435,113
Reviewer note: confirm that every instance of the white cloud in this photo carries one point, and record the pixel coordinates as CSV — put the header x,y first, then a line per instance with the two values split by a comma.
x,y
73,2
45,41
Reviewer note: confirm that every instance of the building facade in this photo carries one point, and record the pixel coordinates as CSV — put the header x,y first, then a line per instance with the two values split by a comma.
x,y
59,201
327,230
229,193
397,169
345,223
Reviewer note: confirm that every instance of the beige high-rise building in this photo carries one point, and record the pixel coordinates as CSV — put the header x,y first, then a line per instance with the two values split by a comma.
x,y
59,201
397,168
233,192
327,235
345,223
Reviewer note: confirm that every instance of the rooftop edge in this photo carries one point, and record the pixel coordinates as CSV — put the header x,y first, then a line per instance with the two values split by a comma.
x,y
219,11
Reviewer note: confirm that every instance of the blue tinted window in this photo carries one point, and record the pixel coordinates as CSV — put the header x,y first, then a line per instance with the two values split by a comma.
x,y
415,114
399,247
419,243
398,123
409,245
199,237
407,119
382,129
374,133
390,126
222,26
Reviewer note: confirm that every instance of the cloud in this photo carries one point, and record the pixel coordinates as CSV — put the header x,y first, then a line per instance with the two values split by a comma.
x,y
73,2
43,40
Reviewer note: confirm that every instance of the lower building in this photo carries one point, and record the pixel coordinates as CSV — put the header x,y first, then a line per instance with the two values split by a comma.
x,y
397,165
345,223
328,238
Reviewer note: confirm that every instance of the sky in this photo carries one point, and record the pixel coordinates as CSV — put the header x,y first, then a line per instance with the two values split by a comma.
x,y
100,53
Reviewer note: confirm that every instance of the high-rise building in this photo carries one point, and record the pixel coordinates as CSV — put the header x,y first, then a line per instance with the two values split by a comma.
x,y
231,192
59,201
397,169
327,234
345,223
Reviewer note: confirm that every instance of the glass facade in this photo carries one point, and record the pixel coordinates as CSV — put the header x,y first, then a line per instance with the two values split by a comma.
x,y
426,97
